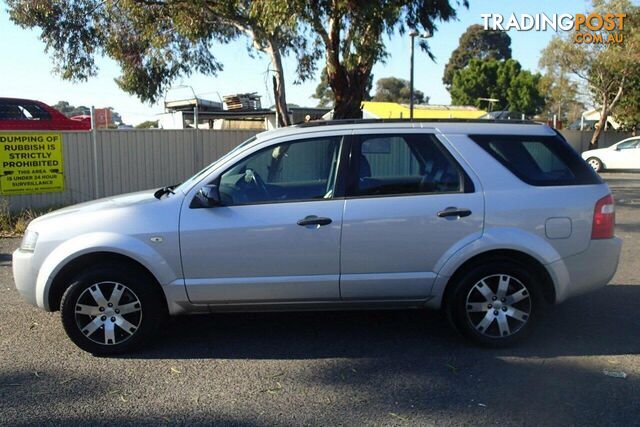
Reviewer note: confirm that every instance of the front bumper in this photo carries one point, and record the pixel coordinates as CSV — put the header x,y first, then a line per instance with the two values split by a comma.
x,y
25,275
587,271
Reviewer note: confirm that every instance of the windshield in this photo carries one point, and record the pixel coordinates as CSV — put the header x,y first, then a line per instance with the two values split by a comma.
x,y
185,185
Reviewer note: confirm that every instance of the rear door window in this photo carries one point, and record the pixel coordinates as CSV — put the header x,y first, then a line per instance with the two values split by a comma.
x,y
390,164
538,160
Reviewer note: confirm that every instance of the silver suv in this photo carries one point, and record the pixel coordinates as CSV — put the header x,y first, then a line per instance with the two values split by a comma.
x,y
486,220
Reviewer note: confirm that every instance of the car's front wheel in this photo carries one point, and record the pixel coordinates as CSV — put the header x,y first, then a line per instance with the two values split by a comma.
x,y
495,304
111,310
595,163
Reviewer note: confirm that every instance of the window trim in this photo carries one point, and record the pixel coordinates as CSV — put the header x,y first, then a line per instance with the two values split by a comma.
x,y
467,185
339,182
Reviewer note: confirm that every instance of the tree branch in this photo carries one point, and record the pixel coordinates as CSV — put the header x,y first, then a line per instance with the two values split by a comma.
x,y
618,95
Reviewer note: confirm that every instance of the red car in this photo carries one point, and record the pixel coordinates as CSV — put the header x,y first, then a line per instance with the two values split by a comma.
x,y
26,114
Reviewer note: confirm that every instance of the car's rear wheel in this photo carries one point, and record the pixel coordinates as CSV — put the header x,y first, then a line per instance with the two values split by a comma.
x,y
111,310
495,304
595,163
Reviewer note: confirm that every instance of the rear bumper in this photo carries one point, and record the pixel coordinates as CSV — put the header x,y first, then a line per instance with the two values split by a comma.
x,y
587,271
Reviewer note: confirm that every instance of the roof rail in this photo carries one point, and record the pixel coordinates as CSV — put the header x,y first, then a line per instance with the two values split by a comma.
x,y
366,121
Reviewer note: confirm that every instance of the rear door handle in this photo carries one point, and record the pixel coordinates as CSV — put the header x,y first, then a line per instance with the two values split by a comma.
x,y
453,211
314,220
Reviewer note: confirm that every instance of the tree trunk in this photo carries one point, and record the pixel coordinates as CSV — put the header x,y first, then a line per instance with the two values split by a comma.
x,y
349,90
607,107
347,104
280,95
604,113
348,85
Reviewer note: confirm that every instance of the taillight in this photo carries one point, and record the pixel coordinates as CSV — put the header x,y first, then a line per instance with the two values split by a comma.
x,y
604,218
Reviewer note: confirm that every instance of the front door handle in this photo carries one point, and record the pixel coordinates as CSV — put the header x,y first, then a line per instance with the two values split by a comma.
x,y
453,211
314,220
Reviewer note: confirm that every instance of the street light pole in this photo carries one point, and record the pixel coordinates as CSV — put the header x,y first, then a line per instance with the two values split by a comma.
x,y
412,35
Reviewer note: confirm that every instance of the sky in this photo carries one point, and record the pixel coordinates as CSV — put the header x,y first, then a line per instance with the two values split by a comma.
x,y
27,69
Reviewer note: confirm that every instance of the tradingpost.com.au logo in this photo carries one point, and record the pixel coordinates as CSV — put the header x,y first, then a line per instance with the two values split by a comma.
x,y
601,28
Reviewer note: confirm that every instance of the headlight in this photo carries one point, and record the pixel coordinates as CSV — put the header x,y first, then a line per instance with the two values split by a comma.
x,y
29,241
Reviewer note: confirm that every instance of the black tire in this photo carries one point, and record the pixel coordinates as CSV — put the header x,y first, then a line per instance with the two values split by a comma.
x,y
478,325
143,320
596,164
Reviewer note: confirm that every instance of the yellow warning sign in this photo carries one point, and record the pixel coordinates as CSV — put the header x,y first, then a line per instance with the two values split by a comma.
x,y
30,163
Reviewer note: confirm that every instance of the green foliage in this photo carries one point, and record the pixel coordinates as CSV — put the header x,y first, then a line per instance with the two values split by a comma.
x,y
627,111
149,124
477,43
156,42
393,89
325,96
562,98
523,93
562,92
349,34
607,69
477,80
69,110
516,89
323,92
153,42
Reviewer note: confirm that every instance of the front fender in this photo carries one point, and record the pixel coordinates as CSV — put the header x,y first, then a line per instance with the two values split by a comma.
x,y
502,238
100,242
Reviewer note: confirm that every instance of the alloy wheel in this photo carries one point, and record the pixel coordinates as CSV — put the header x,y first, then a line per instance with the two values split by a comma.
x,y
595,164
108,313
498,306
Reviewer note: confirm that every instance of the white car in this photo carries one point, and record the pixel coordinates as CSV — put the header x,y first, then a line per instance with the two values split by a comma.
x,y
622,155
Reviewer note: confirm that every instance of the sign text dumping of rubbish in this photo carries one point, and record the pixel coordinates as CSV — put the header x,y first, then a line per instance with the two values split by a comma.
x,y
30,163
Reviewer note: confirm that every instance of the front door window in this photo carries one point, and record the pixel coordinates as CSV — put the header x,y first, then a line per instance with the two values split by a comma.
x,y
294,171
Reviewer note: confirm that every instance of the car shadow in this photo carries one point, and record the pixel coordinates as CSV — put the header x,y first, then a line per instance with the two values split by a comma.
x,y
606,322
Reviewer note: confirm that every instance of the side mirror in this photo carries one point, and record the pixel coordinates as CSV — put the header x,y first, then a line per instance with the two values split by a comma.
x,y
207,197
618,148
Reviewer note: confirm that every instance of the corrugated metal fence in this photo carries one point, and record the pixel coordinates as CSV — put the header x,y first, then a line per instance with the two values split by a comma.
x,y
580,140
130,160
133,160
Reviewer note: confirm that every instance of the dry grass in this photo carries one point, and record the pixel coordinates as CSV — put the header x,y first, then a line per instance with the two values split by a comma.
x,y
14,224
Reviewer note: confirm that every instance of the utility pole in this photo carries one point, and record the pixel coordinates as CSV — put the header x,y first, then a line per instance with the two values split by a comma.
x,y
412,35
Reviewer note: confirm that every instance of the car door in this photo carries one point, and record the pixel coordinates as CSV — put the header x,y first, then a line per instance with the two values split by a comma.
x,y
620,155
408,203
276,236
632,155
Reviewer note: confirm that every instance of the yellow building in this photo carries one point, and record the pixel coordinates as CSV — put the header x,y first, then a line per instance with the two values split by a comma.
x,y
392,110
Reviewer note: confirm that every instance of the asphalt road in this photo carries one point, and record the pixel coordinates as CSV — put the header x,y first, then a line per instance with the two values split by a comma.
x,y
374,368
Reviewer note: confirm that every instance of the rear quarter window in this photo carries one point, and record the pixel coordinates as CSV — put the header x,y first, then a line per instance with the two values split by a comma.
x,y
539,160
